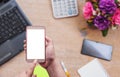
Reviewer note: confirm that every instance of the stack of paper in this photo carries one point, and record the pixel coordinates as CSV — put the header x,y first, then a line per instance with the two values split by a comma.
x,y
93,69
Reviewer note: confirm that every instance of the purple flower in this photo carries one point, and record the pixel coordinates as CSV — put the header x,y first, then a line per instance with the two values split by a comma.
x,y
101,22
107,6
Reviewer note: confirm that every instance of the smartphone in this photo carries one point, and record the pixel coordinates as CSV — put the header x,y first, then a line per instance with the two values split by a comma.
x,y
97,49
35,36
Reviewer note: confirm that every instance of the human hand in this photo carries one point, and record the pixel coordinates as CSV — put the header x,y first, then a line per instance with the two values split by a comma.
x,y
50,54
29,72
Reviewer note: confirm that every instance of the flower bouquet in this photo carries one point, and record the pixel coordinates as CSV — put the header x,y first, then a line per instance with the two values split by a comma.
x,y
103,14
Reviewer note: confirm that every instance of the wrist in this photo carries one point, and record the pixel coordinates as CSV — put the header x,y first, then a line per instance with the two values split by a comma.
x,y
53,64
55,69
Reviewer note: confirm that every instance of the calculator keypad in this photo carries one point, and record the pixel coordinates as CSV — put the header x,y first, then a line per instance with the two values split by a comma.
x,y
64,8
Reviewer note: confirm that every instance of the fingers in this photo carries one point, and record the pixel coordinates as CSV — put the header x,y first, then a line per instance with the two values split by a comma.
x,y
24,41
30,70
25,46
35,62
48,39
33,76
46,43
44,64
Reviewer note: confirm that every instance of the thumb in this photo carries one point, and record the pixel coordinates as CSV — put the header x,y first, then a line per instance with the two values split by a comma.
x,y
34,76
30,70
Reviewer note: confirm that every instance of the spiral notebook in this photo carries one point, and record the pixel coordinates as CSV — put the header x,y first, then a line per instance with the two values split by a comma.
x,y
93,69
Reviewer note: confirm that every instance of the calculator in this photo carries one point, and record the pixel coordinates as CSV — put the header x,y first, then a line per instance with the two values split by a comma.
x,y
64,8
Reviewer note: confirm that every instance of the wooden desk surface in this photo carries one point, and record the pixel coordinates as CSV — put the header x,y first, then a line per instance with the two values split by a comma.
x,y
67,40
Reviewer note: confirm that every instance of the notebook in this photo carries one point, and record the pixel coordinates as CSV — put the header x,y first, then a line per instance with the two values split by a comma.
x,y
93,69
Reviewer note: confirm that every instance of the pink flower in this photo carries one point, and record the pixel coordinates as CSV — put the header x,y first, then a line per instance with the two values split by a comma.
x,y
116,18
88,10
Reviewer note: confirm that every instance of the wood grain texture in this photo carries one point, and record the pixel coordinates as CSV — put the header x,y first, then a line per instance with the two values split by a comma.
x,y
67,40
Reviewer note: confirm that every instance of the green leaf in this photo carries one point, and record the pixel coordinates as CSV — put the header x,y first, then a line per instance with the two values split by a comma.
x,y
95,5
90,23
116,1
105,32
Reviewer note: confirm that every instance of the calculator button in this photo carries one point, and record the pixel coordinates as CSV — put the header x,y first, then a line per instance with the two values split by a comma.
x,y
54,0
61,14
70,12
74,11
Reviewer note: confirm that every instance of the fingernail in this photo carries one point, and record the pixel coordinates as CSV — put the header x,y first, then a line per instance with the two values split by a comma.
x,y
33,76
35,61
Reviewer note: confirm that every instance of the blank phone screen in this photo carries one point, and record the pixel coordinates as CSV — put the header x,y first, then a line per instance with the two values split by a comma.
x,y
36,44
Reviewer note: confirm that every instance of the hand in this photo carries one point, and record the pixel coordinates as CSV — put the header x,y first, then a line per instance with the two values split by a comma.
x,y
50,55
28,73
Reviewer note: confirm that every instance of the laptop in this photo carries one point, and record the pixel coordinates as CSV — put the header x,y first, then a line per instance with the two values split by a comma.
x,y
13,24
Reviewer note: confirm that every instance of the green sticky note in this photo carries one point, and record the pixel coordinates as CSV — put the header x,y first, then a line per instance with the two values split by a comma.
x,y
39,71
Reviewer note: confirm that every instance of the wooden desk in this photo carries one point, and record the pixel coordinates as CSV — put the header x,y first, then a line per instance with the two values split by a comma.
x,y
67,40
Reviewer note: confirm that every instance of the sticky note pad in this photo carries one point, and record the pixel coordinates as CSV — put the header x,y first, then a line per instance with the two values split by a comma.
x,y
93,69
39,71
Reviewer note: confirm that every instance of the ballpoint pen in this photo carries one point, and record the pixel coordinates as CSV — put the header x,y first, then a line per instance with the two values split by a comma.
x,y
65,70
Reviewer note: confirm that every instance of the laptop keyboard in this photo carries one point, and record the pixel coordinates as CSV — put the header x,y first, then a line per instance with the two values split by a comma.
x,y
12,23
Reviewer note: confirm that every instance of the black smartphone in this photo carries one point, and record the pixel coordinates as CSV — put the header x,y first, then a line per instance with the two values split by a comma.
x,y
97,49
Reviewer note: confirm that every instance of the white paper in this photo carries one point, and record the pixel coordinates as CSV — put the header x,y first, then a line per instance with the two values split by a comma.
x,y
93,69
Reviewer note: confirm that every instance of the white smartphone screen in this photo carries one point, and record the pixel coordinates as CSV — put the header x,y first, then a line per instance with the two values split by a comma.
x,y
36,43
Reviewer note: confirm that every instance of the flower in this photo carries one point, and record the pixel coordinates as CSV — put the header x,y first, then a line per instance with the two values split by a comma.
x,y
102,14
107,6
93,0
87,10
118,0
101,22
116,17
